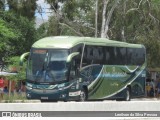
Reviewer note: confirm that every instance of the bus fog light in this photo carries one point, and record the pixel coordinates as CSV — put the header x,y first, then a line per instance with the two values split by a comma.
x,y
28,95
63,95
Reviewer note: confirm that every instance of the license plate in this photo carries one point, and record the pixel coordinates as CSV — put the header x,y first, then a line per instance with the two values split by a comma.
x,y
44,98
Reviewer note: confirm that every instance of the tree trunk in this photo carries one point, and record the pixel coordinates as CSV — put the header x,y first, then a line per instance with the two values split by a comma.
x,y
106,20
96,19
123,22
105,2
10,85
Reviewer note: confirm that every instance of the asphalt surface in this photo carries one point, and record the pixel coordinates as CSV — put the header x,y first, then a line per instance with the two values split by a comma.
x,y
101,110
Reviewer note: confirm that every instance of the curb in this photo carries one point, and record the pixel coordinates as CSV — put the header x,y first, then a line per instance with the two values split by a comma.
x,y
20,101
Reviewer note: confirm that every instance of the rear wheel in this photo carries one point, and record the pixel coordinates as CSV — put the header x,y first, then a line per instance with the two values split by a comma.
x,y
127,96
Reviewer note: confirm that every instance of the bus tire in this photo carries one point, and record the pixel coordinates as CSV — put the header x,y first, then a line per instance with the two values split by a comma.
x,y
127,94
83,95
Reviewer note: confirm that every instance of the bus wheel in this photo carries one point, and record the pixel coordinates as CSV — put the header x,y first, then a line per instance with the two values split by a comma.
x,y
127,96
83,95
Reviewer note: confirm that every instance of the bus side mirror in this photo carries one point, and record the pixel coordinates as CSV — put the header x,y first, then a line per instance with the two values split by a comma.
x,y
23,57
71,56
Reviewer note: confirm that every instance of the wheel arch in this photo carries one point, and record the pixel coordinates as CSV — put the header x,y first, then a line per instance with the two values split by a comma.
x,y
128,88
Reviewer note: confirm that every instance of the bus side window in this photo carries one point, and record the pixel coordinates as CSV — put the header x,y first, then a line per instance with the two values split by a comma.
x,y
121,56
129,56
135,56
77,48
74,71
140,56
110,51
87,56
107,55
101,55
98,55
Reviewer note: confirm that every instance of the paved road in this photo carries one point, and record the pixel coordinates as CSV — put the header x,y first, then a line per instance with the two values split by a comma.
x,y
111,110
134,105
145,99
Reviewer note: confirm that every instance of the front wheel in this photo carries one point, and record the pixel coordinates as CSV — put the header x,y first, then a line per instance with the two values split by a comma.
x,y
83,95
127,96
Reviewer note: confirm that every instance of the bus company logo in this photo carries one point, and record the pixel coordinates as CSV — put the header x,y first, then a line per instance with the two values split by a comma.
x,y
44,91
6,114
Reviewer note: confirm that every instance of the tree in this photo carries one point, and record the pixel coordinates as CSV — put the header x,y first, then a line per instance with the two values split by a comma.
x,y
24,8
17,34
6,34
106,19
2,4
96,19
71,17
41,31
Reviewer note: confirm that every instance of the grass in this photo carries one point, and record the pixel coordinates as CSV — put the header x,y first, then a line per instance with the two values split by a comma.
x,y
14,97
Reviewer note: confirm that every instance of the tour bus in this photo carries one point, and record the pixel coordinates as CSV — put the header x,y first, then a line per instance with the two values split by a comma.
x,y
65,68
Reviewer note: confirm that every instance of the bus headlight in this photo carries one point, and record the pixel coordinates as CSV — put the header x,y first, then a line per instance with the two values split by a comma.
x,y
29,86
61,85
63,96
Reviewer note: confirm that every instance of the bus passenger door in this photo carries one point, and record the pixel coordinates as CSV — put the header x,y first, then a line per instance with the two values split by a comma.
x,y
74,80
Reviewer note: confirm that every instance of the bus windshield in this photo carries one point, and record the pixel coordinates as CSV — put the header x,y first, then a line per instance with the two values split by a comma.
x,y
47,65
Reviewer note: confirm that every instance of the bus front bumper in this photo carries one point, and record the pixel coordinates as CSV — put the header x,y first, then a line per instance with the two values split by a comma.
x,y
47,94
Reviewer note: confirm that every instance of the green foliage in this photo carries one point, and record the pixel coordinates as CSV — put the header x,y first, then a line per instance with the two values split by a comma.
x,y
2,5
19,34
74,17
41,31
24,8
53,27
14,97
6,35
14,63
